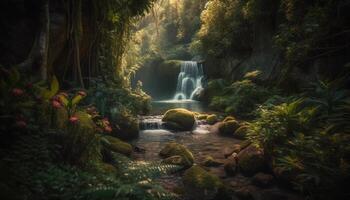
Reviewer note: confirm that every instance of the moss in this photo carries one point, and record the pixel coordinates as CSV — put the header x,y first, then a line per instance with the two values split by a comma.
x,y
179,119
118,146
229,118
241,132
228,128
198,177
211,162
202,117
200,184
212,119
251,160
174,149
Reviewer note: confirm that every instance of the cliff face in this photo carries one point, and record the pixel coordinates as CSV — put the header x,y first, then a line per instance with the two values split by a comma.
x,y
159,78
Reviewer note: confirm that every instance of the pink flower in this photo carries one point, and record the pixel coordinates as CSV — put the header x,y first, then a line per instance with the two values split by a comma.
x,y
82,93
73,119
21,124
56,104
108,129
17,92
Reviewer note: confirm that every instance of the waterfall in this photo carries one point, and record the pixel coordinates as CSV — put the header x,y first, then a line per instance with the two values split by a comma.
x,y
189,80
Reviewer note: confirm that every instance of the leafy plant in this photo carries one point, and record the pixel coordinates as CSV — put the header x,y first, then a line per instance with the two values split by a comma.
x,y
241,98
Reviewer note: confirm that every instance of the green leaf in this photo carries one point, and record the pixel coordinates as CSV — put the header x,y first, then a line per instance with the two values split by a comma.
x,y
55,86
47,94
63,99
76,99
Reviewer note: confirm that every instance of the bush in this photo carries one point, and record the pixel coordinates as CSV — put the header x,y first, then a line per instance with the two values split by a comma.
x,y
297,138
240,99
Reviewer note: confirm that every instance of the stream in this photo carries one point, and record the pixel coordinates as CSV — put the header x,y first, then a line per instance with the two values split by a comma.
x,y
202,142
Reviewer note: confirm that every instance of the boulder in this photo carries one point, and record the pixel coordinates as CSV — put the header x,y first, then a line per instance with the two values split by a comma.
x,y
262,180
251,160
228,151
231,165
229,118
202,185
211,162
179,119
116,145
173,149
202,117
212,119
241,132
228,128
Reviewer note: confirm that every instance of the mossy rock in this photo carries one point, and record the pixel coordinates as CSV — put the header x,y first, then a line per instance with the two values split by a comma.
x,y
251,160
116,145
231,165
202,185
241,132
174,149
128,129
229,118
212,119
211,162
179,119
202,117
228,128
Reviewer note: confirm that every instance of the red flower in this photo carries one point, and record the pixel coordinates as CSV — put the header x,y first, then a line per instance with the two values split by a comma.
x,y
108,129
73,119
21,124
17,92
82,93
56,104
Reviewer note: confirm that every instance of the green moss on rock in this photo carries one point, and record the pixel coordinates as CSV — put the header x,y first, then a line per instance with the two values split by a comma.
x,y
179,119
116,145
200,184
251,160
202,117
228,128
229,118
212,119
174,149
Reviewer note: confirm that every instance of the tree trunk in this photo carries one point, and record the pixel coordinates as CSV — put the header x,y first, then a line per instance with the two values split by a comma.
x,y
38,55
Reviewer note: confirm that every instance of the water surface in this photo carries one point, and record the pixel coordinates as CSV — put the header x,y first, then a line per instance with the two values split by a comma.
x,y
160,107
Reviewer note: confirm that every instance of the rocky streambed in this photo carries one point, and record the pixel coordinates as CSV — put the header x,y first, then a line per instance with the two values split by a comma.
x,y
218,162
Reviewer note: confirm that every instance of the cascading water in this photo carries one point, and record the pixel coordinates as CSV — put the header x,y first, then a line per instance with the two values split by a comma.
x,y
189,80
